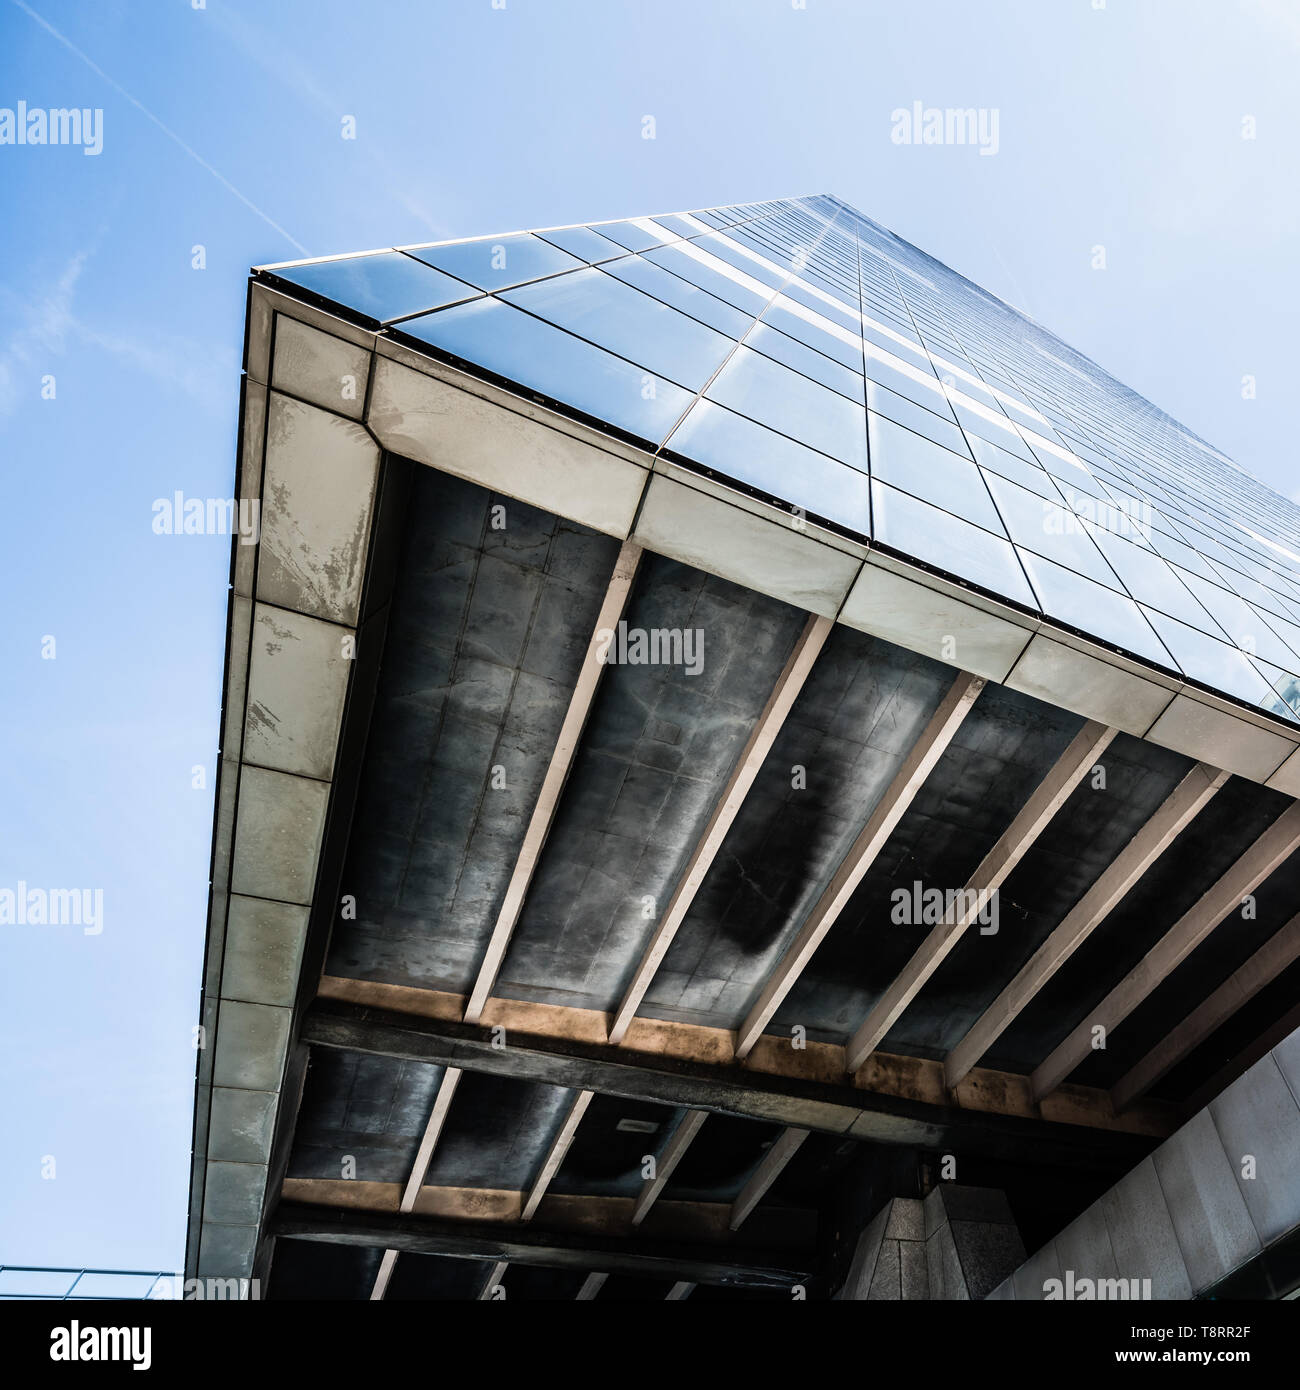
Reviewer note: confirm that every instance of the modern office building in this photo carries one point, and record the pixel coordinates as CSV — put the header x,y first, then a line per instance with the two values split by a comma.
x,y
749,769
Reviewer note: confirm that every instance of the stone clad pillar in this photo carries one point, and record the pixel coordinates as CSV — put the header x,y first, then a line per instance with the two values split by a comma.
x,y
957,1244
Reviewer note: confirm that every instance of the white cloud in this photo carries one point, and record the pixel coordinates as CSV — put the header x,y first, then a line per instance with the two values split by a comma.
x,y
47,326
41,332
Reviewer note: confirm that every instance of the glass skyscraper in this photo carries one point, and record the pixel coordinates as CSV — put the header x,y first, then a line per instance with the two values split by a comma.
x,y
801,351
719,688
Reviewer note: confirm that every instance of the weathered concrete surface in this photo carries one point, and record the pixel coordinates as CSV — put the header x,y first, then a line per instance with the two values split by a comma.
x,y
1205,1203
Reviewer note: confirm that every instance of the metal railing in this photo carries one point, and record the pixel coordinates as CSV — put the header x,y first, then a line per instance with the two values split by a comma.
x,y
97,1287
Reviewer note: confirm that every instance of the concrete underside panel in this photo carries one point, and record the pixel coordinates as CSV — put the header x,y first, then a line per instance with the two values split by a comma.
x,y
1093,826
500,557
852,724
997,757
1213,841
494,607
362,1117
660,742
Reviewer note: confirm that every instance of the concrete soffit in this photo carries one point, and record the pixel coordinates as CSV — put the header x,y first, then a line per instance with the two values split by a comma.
x,y
323,401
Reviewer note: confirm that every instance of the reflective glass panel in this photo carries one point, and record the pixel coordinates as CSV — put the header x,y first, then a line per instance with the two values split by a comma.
x,y
770,343
1070,475
637,326
1053,531
1150,580
926,392
903,411
740,449
948,543
497,261
973,423
1093,609
383,287
783,400
1178,554
815,337
525,350
842,315
923,468
1246,628
630,235
1286,688
682,263
1009,466
1212,663
584,243
674,222
720,245
644,275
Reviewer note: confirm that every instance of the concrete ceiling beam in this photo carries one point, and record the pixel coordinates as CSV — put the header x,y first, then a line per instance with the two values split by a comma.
x,y
1014,843
1177,811
1273,957
910,777
767,1172
548,799
1271,850
779,703
408,1233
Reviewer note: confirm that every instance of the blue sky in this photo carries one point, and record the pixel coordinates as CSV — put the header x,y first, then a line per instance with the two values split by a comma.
x,y
1118,126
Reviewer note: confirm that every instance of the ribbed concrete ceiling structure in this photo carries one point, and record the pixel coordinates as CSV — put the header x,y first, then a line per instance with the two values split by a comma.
x,y
720,713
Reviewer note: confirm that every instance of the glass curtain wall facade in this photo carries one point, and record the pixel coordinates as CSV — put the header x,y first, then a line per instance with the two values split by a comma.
x,y
802,352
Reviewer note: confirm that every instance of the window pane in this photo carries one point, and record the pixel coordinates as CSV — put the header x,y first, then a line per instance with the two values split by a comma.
x,y
996,432
1098,611
382,287
584,243
712,217
615,316
1286,688
844,316
1070,474
525,350
1288,633
1009,466
1050,530
682,263
770,343
676,223
1246,628
1213,663
497,261
672,289
630,235
1152,582
940,539
923,468
1179,554
887,374
908,350
721,246
783,400
770,462
789,323
903,411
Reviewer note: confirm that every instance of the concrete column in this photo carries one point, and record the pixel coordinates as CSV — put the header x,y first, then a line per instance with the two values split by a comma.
x,y
955,1245
971,1242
